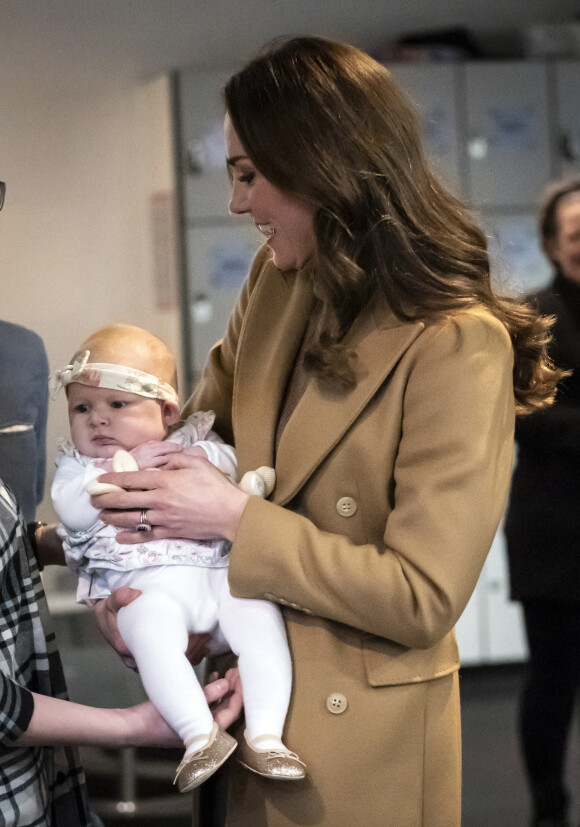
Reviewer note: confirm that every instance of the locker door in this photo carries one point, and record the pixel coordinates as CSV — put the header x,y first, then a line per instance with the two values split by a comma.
x,y
219,247
491,630
202,118
504,622
507,133
468,629
434,91
568,126
219,259
518,264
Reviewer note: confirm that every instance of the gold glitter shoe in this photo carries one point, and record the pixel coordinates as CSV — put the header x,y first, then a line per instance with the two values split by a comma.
x,y
198,766
280,764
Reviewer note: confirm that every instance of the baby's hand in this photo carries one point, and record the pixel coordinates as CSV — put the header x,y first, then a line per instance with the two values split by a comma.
x,y
195,451
154,454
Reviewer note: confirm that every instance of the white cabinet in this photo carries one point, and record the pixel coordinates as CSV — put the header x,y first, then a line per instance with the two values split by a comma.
x,y
219,248
567,126
202,117
434,94
219,260
507,133
491,627
518,264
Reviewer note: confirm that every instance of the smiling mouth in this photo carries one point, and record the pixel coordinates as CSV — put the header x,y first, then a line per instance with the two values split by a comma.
x,y
266,229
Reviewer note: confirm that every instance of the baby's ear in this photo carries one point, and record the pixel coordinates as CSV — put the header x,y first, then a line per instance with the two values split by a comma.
x,y
170,413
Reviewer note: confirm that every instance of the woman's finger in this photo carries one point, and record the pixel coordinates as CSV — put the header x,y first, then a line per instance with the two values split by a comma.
x,y
215,691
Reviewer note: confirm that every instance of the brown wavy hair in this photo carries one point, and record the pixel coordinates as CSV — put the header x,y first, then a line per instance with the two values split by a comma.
x,y
327,123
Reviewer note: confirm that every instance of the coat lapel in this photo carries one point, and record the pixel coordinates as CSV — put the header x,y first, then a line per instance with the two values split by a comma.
x,y
274,327
322,418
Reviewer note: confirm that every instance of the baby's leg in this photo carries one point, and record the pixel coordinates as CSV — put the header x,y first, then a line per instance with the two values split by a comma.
x,y
255,631
155,629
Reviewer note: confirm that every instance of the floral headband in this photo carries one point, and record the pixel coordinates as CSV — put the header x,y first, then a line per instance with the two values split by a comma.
x,y
115,377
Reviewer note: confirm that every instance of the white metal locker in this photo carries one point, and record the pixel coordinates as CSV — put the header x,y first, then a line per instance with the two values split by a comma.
x,y
508,137
434,91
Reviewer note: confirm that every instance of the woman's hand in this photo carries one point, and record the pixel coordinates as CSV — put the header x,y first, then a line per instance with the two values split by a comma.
x,y
189,498
106,615
224,695
49,551
146,727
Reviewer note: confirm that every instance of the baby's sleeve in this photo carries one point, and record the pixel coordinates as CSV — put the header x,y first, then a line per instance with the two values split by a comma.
x,y
221,455
70,496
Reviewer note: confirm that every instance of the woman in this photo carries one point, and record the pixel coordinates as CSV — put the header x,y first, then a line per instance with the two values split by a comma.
x,y
369,361
543,526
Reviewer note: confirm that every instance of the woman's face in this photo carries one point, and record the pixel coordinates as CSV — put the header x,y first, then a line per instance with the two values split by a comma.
x,y
565,247
286,221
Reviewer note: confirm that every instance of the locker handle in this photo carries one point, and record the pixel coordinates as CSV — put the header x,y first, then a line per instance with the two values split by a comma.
x,y
570,146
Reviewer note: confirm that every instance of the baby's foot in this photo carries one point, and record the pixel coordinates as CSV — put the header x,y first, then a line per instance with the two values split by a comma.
x,y
196,767
260,482
266,755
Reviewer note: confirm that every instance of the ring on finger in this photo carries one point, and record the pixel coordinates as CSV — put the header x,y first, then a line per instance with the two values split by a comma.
x,y
143,525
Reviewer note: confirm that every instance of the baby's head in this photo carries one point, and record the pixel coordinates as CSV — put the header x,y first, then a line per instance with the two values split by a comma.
x,y
121,390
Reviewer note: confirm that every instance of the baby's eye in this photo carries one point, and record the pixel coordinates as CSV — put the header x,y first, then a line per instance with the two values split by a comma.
x,y
117,403
80,409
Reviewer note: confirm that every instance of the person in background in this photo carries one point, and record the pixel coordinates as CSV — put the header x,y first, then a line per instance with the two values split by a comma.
x,y
542,524
41,780
23,412
370,362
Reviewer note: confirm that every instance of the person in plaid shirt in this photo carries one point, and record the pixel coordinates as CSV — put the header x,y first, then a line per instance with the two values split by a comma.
x,y
38,785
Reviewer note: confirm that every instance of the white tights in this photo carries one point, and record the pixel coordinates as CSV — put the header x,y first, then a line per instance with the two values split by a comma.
x,y
178,600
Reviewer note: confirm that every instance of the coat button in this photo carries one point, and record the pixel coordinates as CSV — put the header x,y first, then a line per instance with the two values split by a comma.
x,y
346,506
336,703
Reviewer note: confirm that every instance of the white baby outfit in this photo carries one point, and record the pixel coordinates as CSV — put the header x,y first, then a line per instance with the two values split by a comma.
x,y
184,590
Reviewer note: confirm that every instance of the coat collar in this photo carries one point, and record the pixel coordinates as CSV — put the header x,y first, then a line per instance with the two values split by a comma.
x,y
274,327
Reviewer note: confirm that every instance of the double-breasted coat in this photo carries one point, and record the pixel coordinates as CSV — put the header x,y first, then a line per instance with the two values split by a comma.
x,y
385,506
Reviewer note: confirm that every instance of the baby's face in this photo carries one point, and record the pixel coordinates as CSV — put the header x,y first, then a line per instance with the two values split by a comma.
x,y
102,420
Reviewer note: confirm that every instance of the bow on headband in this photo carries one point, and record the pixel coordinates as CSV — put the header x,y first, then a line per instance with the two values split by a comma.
x,y
62,378
114,377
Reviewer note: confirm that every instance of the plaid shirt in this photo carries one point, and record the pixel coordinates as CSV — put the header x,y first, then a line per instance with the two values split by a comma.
x,y
38,785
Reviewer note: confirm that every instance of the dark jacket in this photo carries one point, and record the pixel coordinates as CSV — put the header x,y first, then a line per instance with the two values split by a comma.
x,y
23,412
543,519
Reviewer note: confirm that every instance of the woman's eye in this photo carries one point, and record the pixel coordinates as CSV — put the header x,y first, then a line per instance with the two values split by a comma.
x,y
246,178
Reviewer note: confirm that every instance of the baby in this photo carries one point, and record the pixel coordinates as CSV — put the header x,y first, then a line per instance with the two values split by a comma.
x,y
122,404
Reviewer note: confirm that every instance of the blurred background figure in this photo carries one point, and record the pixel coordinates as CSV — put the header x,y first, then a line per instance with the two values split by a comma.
x,y
543,524
23,411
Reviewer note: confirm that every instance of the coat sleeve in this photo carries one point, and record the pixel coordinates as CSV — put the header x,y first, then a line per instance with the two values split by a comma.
x,y
449,485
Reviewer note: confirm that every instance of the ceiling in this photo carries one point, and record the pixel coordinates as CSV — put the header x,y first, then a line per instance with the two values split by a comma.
x,y
143,38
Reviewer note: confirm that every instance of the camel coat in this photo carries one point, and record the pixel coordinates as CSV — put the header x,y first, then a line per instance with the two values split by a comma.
x,y
386,504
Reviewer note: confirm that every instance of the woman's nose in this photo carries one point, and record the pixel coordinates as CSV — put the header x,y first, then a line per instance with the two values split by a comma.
x,y
238,202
